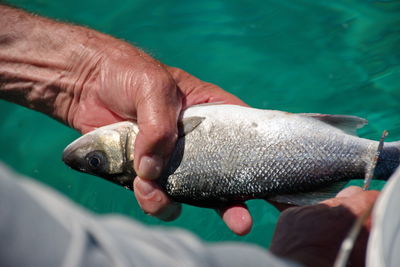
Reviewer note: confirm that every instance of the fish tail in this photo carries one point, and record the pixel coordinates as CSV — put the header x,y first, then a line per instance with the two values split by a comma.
x,y
389,160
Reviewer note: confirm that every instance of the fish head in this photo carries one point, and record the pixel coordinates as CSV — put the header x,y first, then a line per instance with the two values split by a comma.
x,y
106,152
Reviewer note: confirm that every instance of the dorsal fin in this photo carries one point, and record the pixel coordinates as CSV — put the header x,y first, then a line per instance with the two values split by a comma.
x,y
346,123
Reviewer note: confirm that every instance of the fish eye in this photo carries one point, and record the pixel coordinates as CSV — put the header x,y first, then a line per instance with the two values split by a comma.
x,y
96,161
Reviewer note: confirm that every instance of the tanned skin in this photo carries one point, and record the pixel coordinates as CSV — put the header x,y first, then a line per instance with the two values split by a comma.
x,y
87,79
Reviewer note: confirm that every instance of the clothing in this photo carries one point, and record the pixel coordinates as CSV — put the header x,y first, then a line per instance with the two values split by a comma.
x,y
384,240
39,227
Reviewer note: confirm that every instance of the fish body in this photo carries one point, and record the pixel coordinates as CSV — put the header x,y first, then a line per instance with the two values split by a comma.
x,y
229,153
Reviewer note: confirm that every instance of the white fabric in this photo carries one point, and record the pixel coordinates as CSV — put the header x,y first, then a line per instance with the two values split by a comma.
x,y
384,241
39,227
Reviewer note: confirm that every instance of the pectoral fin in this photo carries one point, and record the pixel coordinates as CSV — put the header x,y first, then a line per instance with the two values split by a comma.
x,y
186,125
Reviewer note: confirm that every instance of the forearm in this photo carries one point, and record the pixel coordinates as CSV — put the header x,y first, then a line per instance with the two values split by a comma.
x,y
43,63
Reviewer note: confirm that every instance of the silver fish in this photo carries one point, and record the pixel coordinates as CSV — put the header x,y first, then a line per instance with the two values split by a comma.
x,y
228,153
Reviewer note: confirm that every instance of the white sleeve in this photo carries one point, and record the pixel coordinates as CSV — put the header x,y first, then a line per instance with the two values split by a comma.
x,y
39,227
384,240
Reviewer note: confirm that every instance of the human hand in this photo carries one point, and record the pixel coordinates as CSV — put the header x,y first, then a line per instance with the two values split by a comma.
x,y
123,83
312,235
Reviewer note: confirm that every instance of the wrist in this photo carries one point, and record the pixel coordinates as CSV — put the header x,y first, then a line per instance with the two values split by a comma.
x,y
43,63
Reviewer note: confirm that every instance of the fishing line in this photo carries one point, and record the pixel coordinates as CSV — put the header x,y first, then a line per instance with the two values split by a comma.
x,y
348,243
370,172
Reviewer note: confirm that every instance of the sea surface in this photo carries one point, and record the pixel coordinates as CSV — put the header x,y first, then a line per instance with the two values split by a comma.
x,y
335,57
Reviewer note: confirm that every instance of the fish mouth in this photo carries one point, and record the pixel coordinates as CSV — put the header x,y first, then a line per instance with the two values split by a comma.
x,y
74,154
74,157
70,159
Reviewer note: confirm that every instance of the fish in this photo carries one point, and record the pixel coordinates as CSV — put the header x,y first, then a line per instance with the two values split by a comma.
x,y
229,154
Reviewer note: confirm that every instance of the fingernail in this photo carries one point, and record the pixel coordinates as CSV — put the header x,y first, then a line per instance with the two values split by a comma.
x,y
150,167
144,188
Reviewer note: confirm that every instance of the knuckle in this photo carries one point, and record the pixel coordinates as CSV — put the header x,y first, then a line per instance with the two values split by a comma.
x,y
177,72
157,85
154,204
158,77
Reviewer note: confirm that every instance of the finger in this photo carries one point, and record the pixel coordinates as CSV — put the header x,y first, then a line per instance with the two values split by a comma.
x,y
349,191
197,91
155,202
158,108
362,201
237,218
354,198
216,94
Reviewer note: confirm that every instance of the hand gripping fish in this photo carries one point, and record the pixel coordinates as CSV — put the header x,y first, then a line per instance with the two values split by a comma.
x,y
227,154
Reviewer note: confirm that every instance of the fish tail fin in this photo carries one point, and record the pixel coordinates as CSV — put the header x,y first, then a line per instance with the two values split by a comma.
x,y
389,160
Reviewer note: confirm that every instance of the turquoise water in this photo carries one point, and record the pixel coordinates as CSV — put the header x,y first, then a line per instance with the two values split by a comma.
x,y
301,56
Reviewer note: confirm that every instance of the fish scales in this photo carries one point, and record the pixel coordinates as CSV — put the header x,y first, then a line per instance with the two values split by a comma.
x,y
254,163
236,153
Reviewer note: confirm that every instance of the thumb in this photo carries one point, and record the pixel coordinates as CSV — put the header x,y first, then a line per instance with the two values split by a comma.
x,y
157,116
